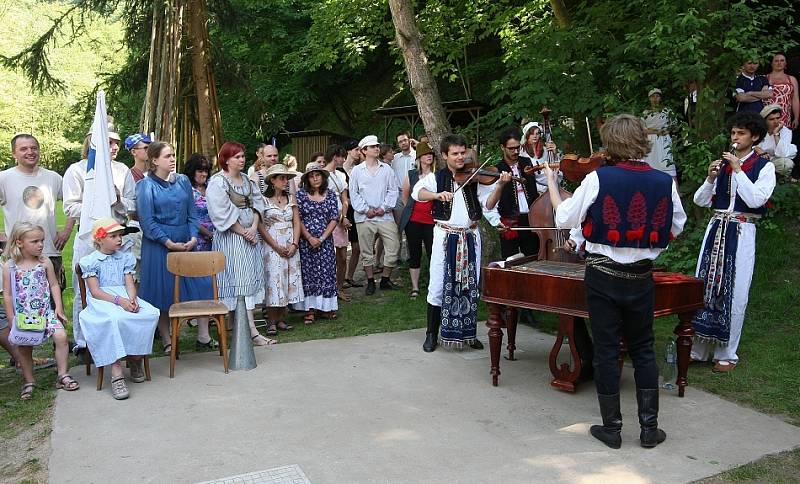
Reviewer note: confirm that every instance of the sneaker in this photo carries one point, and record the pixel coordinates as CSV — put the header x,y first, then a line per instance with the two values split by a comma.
x,y
387,284
370,290
119,390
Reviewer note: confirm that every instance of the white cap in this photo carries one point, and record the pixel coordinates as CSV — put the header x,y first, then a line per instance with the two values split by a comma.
x,y
528,127
370,140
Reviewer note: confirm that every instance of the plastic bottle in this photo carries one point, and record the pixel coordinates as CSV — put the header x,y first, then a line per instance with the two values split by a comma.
x,y
670,374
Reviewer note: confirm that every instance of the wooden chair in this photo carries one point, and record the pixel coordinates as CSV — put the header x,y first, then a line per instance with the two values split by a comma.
x,y
88,356
197,264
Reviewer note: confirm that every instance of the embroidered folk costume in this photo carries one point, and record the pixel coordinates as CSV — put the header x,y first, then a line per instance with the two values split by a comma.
x,y
727,256
628,212
455,261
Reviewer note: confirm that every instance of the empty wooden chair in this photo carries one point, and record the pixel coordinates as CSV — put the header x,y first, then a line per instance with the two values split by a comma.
x,y
197,264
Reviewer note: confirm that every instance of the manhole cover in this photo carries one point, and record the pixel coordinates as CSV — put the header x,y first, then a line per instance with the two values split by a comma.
x,y
291,474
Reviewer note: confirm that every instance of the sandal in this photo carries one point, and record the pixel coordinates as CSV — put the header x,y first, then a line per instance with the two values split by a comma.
x,y
272,329
414,293
211,344
66,382
351,283
283,326
259,340
344,296
119,390
328,315
27,391
309,318
723,367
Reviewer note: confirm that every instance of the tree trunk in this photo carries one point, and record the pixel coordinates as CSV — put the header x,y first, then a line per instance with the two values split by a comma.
x,y
560,12
423,86
207,108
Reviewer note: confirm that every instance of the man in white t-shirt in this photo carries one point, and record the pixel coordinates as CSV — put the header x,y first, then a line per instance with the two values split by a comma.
x,y
29,193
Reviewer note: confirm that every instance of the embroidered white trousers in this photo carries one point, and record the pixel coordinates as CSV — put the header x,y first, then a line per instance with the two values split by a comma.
x,y
745,260
439,249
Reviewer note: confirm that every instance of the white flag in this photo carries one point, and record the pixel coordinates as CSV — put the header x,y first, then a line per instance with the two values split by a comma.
x,y
98,186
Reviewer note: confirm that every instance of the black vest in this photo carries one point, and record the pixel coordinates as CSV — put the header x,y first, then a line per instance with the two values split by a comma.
x,y
509,203
752,168
442,210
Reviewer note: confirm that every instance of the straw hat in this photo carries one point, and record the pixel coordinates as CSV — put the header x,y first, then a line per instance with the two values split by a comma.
x,y
107,226
279,169
312,167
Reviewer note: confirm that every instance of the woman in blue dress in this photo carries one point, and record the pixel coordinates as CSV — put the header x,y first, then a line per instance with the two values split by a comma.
x,y
168,218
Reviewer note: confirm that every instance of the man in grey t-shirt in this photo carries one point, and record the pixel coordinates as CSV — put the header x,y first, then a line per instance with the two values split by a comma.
x,y
29,193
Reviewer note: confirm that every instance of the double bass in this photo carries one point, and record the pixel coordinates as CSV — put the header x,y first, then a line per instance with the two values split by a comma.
x,y
541,215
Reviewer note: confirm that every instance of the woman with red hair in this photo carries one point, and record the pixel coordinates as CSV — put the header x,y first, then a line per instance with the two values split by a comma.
x,y
235,206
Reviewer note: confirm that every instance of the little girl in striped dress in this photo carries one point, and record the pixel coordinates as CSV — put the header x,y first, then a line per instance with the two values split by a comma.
x,y
115,322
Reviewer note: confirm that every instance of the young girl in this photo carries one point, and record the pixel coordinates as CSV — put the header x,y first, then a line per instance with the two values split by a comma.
x,y
115,322
29,282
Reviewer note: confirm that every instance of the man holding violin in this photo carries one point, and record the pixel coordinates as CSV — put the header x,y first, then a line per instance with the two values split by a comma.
x,y
458,204
518,195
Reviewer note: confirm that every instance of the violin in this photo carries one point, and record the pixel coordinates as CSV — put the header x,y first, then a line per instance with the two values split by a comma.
x,y
576,167
472,173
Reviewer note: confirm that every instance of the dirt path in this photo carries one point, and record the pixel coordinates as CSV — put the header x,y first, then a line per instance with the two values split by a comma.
x,y
24,457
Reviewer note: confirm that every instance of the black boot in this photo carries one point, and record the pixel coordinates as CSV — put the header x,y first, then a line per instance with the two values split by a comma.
x,y
610,433
432,335
650,435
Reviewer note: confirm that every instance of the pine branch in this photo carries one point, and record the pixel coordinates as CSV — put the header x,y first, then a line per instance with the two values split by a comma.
x,y
34,61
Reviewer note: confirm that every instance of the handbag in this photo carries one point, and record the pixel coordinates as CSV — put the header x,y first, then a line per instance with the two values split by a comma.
x,y
26,329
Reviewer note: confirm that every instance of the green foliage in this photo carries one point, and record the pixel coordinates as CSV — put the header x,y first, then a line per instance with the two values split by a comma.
x,y
75,62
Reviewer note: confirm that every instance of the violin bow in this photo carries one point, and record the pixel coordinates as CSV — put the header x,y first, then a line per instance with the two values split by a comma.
x,y
470,177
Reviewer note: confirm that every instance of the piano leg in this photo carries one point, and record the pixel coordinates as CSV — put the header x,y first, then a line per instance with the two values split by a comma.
x,y
511,331
565,378
685,332
495,323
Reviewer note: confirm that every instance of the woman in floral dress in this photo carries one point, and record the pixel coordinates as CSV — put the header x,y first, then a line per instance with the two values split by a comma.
x,y
318,216
197,169
282,222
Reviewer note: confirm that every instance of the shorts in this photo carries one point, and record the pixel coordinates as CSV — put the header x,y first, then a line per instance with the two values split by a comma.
x,y
352,234
58,267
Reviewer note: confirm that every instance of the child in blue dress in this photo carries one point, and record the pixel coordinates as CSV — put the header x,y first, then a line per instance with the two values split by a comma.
x,y
29,285
116,323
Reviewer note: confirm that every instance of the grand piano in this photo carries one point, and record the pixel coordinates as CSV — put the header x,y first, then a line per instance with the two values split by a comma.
x,y
557,287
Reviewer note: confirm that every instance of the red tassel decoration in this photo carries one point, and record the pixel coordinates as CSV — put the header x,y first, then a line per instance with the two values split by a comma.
x,y
635,234
653,237
588,227
613,236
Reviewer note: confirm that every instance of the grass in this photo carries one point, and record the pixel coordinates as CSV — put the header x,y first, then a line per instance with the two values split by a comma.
x,y
765,379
